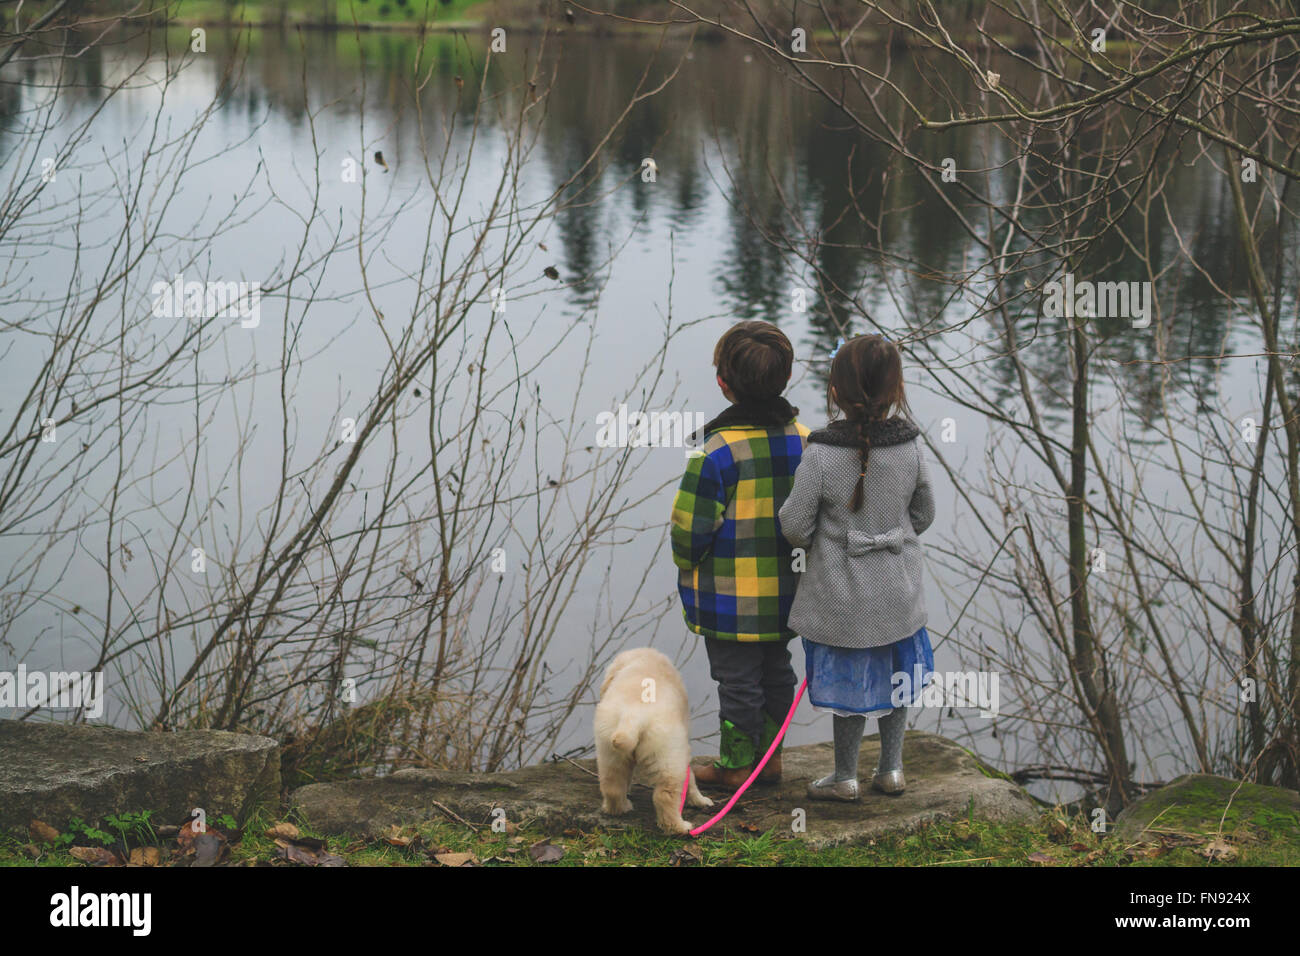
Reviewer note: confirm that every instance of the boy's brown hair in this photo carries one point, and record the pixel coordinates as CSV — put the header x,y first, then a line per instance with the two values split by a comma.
x,y
754,359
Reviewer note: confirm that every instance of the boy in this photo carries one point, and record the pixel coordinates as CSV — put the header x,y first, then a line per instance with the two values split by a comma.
x,y
736,581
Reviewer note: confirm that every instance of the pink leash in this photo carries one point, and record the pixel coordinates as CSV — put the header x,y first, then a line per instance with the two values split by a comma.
x,y
753,776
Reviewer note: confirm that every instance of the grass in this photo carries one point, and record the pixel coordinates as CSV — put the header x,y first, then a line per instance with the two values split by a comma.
x,y
1054,840
341,13
369,12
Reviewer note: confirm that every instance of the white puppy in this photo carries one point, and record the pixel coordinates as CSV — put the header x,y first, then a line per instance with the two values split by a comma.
x,y
643,725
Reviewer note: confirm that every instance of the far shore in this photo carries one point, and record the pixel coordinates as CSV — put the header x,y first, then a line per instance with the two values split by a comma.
x,y
478,18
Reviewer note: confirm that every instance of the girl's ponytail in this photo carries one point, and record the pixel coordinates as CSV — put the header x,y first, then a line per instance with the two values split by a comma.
x,y
864,440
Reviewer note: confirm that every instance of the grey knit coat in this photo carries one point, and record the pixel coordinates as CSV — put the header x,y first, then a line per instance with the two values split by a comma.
x,y
862,585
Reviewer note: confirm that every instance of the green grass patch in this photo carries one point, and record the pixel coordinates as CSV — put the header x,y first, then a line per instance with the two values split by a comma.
x,y
1054,840
334,13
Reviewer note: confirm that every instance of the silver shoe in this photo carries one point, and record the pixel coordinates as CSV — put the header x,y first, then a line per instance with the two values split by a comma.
x,y
890,782
828,788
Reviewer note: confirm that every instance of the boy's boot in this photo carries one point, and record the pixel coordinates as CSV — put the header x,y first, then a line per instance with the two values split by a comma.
x,y
736,759
772,770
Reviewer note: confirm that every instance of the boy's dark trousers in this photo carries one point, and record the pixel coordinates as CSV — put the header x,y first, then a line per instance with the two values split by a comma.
x,y
755,691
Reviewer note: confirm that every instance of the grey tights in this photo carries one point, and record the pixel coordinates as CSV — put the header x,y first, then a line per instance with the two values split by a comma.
x,y
848,739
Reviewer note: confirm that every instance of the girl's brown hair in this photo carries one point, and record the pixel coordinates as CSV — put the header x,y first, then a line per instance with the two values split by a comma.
x,y
866,383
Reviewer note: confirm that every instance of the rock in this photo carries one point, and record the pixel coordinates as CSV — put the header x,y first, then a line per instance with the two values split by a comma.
x,y
1194,805
52,772
943,780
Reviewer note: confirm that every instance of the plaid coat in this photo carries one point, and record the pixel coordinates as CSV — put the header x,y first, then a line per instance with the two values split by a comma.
x,y
735,581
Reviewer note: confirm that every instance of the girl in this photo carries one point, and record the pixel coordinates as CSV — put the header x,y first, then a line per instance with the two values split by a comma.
x,y
861,496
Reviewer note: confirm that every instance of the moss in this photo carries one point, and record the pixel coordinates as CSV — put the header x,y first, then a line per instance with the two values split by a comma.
x,y
1053,840
1255,820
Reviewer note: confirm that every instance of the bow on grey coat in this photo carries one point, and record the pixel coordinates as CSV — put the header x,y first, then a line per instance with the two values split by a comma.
x,y
862,586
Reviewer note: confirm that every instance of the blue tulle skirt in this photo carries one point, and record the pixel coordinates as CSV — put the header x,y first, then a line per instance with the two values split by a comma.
x,y
848,680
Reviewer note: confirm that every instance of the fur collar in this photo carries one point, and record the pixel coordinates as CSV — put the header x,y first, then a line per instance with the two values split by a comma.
x,y
844,434
772,413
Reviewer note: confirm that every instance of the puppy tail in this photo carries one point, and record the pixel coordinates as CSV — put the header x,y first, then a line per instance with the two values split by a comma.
x,y
626,735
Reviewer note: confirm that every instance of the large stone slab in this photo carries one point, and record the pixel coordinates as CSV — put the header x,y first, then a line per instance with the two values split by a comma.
x,y
1201,804
56,771
942,781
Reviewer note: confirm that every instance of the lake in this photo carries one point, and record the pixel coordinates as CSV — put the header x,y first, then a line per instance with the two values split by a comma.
x,y
744,162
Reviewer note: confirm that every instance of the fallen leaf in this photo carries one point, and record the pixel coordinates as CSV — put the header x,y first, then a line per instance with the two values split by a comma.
x,y
1079,847
456,859
186,835
297,854
544,851
95,856
689,855
42,832
1218,849
145,856
1041,858
394,837
209,848
1145,851
286,831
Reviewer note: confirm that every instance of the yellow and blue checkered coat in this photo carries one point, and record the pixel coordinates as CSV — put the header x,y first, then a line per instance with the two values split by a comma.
x,y
736,581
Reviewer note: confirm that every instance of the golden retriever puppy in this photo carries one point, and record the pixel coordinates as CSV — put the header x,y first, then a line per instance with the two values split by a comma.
x,y
643,727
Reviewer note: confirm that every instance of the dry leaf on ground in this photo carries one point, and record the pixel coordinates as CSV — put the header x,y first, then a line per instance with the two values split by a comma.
x,y
689,855
145,856
187,833
1218,849
456,859
306,856
544,851
42,832
1145,851
394,837
95,856
209,849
